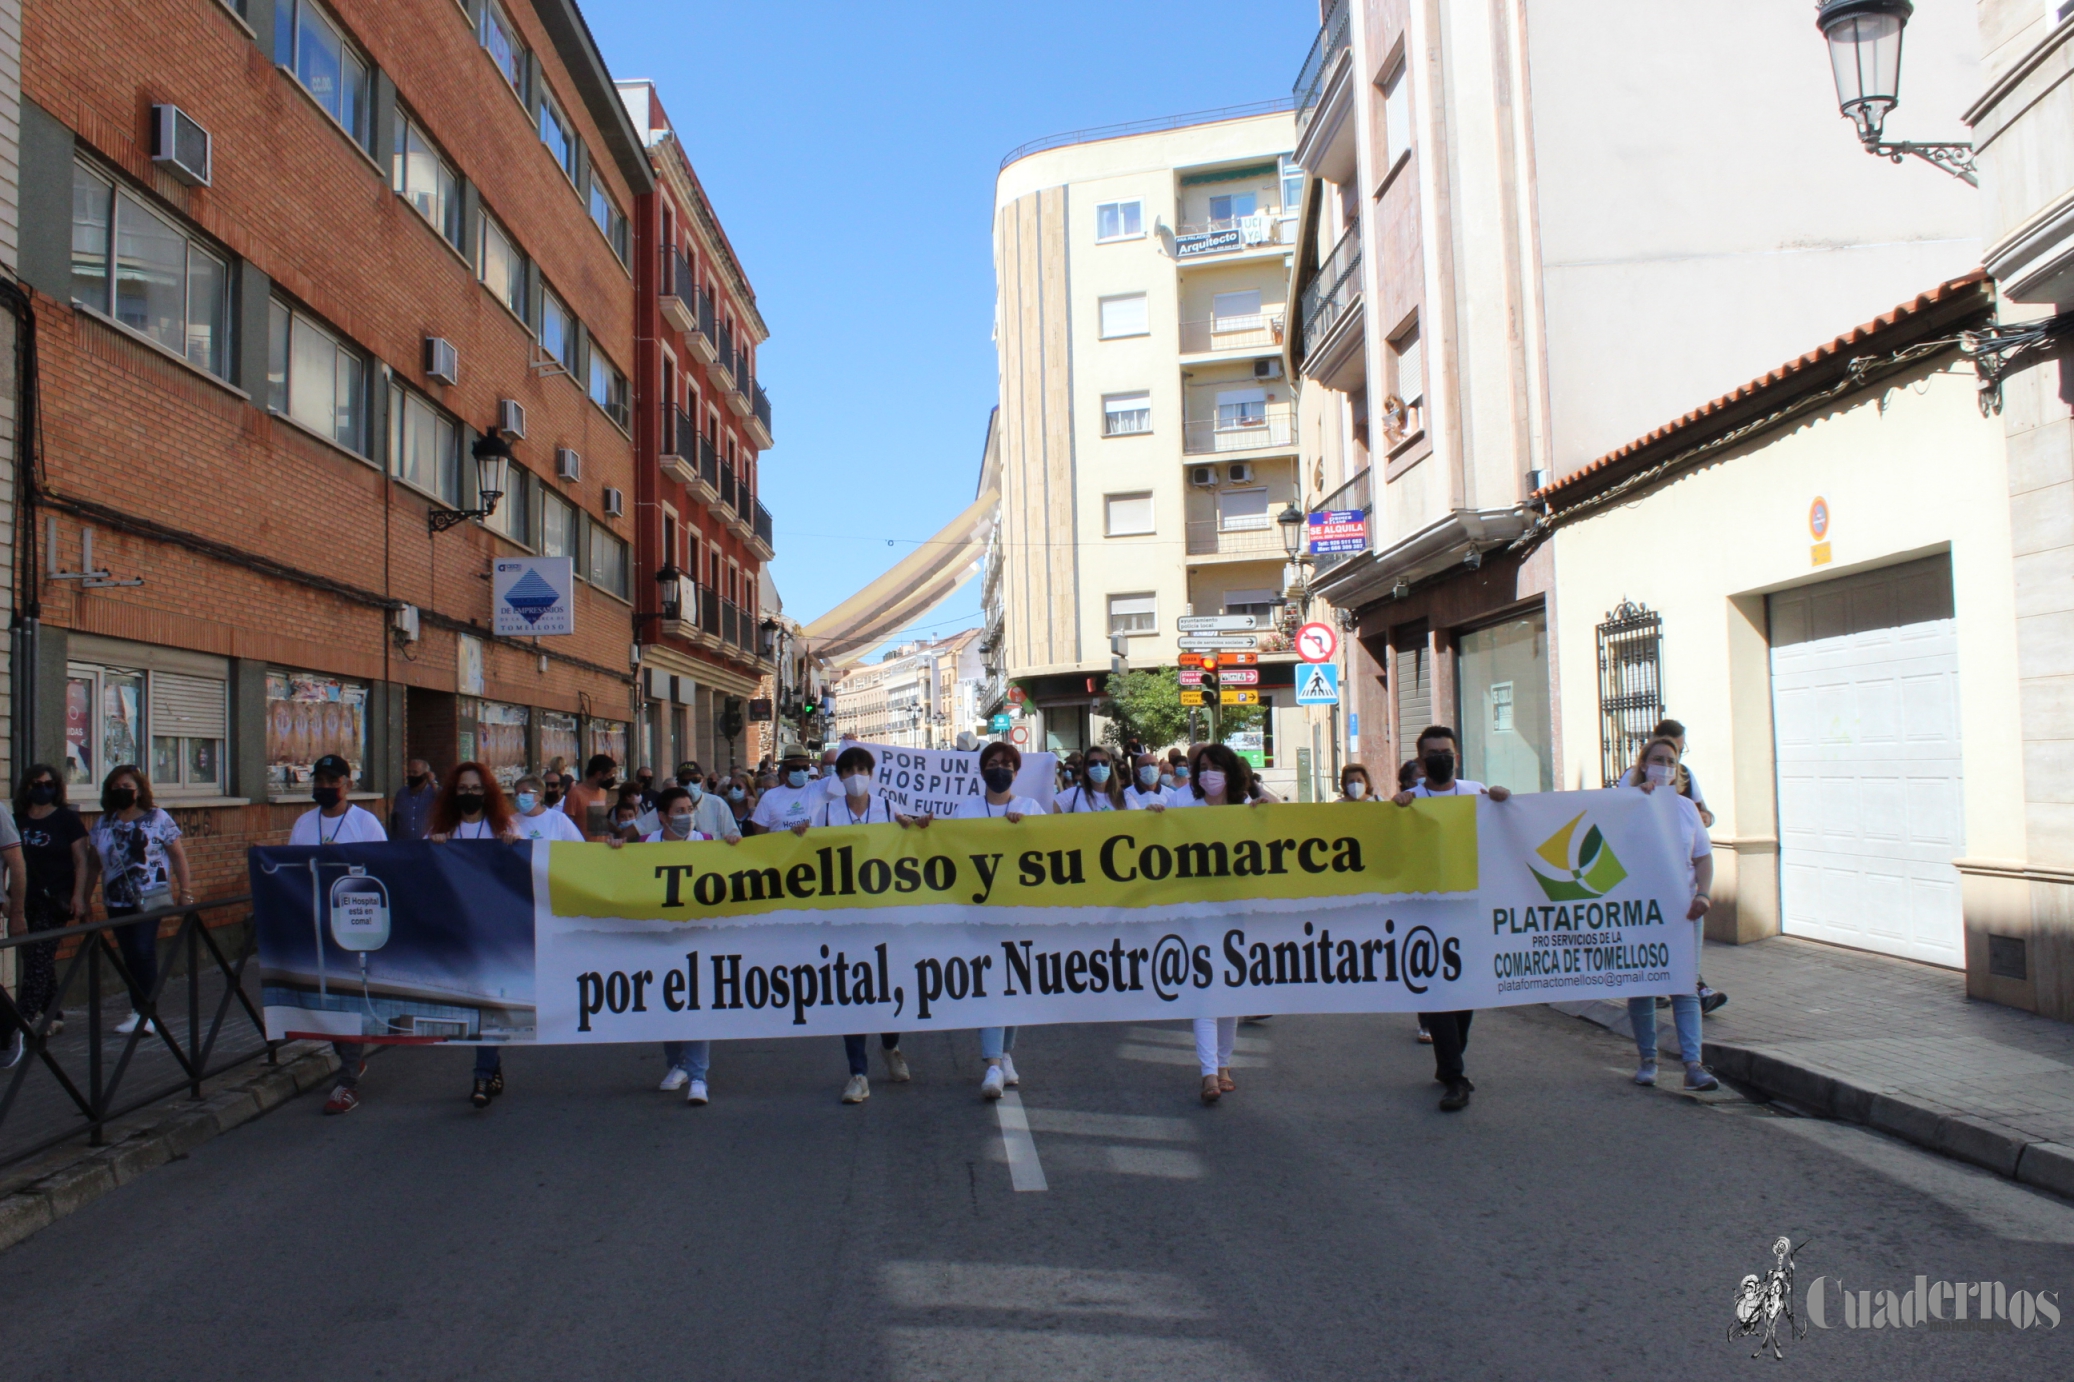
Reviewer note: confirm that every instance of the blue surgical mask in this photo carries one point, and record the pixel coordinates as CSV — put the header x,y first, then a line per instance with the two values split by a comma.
x,y
1098,773
735,794
695,790
797,777
1148,775
1181,773
526,802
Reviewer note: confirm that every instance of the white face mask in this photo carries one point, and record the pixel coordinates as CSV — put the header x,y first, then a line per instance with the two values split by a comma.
x,y
678,824
1356,789
857,785
1658,773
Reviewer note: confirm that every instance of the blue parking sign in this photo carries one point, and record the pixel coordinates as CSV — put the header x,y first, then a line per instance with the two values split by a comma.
x,y
1317,683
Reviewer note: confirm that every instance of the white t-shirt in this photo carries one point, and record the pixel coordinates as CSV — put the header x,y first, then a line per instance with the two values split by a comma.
x,y
1697,843
657,837
550,824
1079,799
979,808
781,808
1138,798
478,830
1460,787
356,827
838,812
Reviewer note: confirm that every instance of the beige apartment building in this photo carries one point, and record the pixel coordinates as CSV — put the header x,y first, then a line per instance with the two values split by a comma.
x,y
1147,424
921,695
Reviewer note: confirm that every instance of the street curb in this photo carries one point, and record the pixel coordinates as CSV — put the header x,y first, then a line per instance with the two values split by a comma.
x,y
246,1094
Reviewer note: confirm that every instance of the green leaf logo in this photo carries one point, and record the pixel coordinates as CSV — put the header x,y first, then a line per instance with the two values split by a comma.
x,y
1573,868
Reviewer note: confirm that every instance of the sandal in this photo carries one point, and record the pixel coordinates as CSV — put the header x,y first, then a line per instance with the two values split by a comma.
x,y
481,1097
1213,1088
496,1084
1224,1080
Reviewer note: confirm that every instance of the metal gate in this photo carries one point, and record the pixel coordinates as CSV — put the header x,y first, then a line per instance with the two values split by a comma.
x,y
1630,684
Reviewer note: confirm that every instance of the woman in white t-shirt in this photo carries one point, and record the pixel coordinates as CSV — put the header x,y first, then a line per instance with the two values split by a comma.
x,y
1219,778
1657,766
537,818
998,765
1097,788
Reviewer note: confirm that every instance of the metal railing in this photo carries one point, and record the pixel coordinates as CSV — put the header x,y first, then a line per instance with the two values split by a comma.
x,y
101,1094
725,360
709,610
1356,493
677,280
1210,538
1337,287
1222,236
709,462
762,408
1310,80
706,314
1210,436
728,632
761,522
683,439
1167,122
1249,332
727,486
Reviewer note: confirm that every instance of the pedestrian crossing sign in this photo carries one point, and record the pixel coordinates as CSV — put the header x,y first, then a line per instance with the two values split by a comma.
x,y
1317,683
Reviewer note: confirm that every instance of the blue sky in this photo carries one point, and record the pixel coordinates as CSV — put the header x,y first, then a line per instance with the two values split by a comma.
x,y
850,151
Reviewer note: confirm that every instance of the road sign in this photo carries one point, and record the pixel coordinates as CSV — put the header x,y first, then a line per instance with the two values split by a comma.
x,y
1317,683
1238,698
1238,659
1000,724
1015,695
1317,642
1191,698
1020,734
1238,676
1218,642
1215,623
1189,660
1191,676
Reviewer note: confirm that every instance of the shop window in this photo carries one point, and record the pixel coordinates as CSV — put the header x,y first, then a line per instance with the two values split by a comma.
x,y
307,716
112,713
1502,706
608,737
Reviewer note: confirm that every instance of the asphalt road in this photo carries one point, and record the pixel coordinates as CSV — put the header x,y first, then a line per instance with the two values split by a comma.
x,y
1323,1222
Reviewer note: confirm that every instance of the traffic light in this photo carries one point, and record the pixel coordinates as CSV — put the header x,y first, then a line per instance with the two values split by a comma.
x,y
1210,677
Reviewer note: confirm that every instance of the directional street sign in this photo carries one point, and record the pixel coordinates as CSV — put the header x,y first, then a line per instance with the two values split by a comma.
x,y
1317,642
1191,698
1215,623
1239,676
1238,698
1317,683
1217,643
1189,660
1238,659
1191,676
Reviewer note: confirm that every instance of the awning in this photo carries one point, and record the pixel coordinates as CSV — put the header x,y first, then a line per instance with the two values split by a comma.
x,y
913,586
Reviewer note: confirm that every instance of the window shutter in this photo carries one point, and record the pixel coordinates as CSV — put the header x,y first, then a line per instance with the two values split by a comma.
x,y
190,707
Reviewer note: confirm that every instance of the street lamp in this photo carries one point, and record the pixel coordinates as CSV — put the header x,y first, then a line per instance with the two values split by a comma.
x,y
1290,520
492,473
1865,55
1297,597
670,579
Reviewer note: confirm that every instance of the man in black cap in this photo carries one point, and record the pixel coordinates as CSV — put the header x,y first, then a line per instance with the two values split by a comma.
x,y
337,821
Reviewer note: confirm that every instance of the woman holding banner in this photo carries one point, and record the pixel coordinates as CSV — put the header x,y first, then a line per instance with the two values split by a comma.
x,y
1221,778
1657,766
473,807
1354,784
998,765
1097,788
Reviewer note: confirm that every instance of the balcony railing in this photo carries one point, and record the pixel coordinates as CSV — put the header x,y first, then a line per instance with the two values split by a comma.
x,y
1310,81
1336,288
1193,240
1252,332
1355,494
724,362
709,611
730,632
679,291
761,408
727,486
709,464
1211,538
762,524
1211,436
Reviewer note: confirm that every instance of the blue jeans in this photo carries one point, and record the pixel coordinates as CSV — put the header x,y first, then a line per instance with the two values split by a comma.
x,y
139,947
489,1060
854,1049
1685,1011
996,1042
694,1058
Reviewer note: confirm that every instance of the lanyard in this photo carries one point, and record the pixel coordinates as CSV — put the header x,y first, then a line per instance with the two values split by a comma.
x,y
482,830
344,816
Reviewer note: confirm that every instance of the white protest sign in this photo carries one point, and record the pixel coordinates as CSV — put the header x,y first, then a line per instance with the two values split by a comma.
x,y
932,782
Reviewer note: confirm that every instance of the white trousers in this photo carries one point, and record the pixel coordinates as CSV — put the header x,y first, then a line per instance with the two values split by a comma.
x,y
1213,1040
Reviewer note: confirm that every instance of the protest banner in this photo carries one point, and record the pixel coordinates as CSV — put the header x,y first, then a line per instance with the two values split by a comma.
x,y
934,782
1122,916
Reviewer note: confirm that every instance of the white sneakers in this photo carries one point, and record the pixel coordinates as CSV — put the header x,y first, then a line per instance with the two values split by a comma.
x,y
857,1090
1645,1073
993,1084
129,1024
674,1081
697,1093
1008,1075
896,1067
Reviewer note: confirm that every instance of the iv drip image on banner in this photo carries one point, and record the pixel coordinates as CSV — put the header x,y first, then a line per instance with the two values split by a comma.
x,y
1450,904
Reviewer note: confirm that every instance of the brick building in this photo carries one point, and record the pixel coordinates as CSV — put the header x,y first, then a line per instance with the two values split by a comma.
x,y
373,231
701,537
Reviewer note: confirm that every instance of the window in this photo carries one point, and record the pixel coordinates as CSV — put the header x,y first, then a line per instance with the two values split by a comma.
x,y
1630,685
1119,220
501,41
559,135
608,388
557,526
1129,515
502,267
1408,365
1125,316
1292,186
422,178
560,741
187,718
557,330
606,214
1396,117
1501,678
1126,414
166,286
1228,210
112,713
307,717
1261,604
424,446
1133,614
513,517
104,721
314,378
325,63
1235,311
608,562
1242,510
1241,408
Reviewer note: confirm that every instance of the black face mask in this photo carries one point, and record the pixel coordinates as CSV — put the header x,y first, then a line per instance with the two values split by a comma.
x,y
326,797
999,779
43,793
606,781
119,798
419,780
1440,766
468,803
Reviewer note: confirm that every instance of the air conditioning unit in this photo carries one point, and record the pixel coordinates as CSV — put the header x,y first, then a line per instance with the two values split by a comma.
x,y
568,464
1267,369
404,619
615,503
179,145
511,417
442,361
1240,473
1203,475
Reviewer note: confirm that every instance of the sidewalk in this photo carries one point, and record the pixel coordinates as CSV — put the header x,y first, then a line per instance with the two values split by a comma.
x,y
1896,1046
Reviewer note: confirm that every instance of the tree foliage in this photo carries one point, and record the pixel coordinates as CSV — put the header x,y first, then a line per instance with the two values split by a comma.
x,y
1146,706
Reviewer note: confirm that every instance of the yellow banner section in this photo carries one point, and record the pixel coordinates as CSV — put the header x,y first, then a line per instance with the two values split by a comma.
x,y
1109,859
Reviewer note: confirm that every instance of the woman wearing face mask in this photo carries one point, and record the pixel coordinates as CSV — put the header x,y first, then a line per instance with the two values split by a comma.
x,y
536,819
1354,784
854,803
143,866
1222,778
473,807
1146,793
1180,779
1657,766
686,1062
1098,788
55,860
791,803
998,765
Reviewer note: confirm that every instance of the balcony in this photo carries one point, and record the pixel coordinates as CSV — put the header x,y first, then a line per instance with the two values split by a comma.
x,y
703,482
702,340
679,459
1263,230
1355,495
730,624
678,293
721,367
1309,91
742,382
1332,317
760,419
709,617
725,504
1213,537
1249,431
760,529
1256,332
680,613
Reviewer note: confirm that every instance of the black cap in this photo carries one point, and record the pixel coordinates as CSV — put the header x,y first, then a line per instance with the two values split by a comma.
x,y
331,765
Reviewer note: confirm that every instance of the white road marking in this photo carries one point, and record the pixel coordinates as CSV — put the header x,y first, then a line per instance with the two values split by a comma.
x,y
1168,1163
1140,1127
993,1286
1175,1055
1025,1171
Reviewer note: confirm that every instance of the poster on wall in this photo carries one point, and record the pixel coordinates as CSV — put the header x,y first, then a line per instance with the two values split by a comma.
x,y
467,664
501,740
561,742
307,717
532,595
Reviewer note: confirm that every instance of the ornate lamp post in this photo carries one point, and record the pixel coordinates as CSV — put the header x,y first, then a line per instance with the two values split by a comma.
x,y
1865,55
492,456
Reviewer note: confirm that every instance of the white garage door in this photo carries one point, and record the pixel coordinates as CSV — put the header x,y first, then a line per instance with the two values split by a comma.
x,y
1865,710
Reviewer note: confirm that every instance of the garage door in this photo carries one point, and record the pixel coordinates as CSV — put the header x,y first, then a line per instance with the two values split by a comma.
x,y
1865,712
